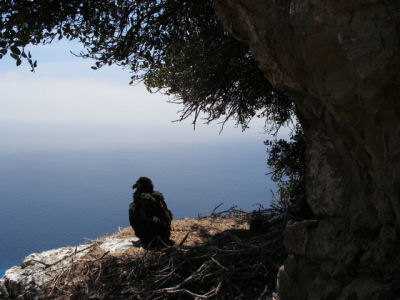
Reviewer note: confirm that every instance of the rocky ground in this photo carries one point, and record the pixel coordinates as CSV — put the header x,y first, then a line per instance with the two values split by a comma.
x,y
213,257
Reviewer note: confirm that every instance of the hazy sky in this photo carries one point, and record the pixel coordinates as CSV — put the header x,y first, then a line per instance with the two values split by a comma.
x,y
66,104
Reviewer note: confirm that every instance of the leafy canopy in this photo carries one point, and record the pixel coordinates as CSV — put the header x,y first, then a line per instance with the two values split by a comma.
x,y
286,158
177,47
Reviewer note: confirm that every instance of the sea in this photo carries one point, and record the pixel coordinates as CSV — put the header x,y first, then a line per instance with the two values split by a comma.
x,y
53,197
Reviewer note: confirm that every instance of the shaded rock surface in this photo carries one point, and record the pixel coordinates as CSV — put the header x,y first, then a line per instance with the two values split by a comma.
x,y
339,61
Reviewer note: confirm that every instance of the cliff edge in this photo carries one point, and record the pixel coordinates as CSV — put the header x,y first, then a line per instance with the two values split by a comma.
x,y
212,256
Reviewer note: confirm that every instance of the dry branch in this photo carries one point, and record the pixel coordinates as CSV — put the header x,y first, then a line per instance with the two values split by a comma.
x,y
225,266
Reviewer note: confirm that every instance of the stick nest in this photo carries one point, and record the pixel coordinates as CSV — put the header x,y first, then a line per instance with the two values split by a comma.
x,y
215,257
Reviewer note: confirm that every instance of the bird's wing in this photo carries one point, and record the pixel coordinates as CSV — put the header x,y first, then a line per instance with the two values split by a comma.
x,y
131,213
160,199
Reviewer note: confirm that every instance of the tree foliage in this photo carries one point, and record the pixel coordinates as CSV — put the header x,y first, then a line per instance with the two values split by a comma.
x,y
287,161
176,46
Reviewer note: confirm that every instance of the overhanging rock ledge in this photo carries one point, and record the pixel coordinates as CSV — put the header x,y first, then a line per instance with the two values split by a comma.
x,y
340,62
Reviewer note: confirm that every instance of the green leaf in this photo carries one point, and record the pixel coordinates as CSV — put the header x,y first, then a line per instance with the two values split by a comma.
x,y
94,68
15,56
18,62
14,49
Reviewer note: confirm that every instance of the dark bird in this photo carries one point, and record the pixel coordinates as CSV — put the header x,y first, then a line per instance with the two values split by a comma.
x,y
149,215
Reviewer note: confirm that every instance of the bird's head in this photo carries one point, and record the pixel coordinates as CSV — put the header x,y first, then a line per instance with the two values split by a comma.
x,y
143,185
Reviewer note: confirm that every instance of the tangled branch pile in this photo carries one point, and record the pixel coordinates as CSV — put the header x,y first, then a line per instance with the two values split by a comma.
x,y
214,257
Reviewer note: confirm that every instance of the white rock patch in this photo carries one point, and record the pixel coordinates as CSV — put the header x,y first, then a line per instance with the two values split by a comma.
x,y
37,269
117,245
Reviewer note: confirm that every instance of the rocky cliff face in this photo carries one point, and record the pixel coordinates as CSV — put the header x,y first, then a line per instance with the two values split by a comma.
x,y
340,61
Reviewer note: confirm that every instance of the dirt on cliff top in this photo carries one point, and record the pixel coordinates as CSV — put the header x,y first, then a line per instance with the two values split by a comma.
x,y
215,257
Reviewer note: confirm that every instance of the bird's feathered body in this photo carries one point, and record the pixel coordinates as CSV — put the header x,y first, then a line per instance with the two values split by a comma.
x,y
148,213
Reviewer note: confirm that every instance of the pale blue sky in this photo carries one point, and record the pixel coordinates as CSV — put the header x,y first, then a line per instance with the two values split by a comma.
x,y
88,108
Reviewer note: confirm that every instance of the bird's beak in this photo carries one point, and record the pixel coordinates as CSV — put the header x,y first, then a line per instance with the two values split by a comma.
x,y
134,186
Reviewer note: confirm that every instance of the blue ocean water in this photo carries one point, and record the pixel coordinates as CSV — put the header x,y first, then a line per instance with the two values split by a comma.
x,y
51,199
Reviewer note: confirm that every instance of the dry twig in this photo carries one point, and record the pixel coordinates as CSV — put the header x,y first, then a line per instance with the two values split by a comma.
x,y
227,266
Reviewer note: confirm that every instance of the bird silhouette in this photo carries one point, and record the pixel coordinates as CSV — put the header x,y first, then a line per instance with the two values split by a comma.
x,y
149,215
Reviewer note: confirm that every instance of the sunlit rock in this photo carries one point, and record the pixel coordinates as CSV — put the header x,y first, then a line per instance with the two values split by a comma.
x,y
38,270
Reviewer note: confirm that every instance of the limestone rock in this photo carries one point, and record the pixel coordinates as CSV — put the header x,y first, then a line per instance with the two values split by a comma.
x,y
339,61
38,269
